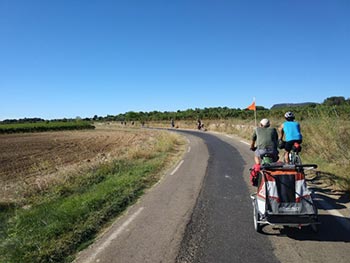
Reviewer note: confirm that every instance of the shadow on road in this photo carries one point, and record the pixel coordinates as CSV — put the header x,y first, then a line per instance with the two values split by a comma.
x,y
331,229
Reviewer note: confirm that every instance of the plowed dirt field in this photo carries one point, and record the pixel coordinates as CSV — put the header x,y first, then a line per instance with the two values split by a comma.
x,y
33,161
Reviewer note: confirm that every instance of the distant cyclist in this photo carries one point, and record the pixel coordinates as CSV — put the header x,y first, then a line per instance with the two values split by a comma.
x,y
199,124
290,129
266,139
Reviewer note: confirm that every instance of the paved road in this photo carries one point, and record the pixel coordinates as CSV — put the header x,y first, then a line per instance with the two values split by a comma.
x,y
201,212
152,230
221,229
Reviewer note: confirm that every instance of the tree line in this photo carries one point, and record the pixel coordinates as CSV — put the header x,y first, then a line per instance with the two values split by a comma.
x,y
332,106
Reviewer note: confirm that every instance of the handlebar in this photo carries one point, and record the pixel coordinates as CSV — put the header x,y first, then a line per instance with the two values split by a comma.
x,y
274,167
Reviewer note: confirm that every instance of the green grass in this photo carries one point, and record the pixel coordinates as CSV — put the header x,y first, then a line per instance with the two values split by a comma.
x,y
52,230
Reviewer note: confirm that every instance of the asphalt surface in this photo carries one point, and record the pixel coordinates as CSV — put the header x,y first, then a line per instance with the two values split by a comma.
x,y
221,226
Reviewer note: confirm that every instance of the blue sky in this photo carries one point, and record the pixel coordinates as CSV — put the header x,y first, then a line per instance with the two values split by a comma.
x,y
69,58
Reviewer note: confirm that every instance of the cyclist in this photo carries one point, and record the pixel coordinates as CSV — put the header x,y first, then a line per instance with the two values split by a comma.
x,y
290,129
199,124
266,139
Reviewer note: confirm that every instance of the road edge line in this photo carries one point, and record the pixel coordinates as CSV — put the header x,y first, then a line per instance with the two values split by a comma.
x,y
114,235
177,167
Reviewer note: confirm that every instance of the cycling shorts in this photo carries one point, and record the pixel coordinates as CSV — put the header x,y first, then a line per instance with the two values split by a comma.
x,y
289,145
260,152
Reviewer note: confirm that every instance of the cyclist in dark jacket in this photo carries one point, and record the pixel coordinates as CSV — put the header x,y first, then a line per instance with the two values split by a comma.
x,y
290,129
266,139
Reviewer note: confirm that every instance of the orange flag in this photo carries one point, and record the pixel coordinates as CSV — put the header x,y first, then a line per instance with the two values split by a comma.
x,y
252,106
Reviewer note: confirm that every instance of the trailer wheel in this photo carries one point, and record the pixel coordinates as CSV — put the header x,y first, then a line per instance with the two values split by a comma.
x,y
257,225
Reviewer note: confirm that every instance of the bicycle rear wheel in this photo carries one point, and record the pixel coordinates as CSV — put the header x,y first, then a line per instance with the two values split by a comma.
x,y
297,159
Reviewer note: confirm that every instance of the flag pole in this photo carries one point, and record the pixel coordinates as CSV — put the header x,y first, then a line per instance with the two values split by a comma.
x,y
255,111
253,107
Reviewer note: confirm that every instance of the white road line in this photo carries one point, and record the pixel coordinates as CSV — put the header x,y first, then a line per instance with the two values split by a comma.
x,y
228,136
189,149
177,167
114,235
245,142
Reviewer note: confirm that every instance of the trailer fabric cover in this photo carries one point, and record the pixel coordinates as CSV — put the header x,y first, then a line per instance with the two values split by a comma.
x,y
284,192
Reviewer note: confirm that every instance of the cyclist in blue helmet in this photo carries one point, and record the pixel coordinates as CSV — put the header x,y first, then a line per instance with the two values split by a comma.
x,y
290,129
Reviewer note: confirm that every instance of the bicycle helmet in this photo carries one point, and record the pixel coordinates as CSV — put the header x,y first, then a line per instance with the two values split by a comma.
x,y
289,115
265,122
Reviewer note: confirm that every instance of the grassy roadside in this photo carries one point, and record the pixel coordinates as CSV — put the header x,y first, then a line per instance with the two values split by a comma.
x,y
327,144
57,223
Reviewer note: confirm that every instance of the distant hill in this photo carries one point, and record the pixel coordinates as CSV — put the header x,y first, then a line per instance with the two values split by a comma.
x,y
285,105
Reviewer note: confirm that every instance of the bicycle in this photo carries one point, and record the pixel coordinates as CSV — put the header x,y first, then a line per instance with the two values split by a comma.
x,y
266,160
294,157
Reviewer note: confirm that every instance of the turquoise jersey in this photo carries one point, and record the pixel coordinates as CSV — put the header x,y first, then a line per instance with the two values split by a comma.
x,y
292,131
